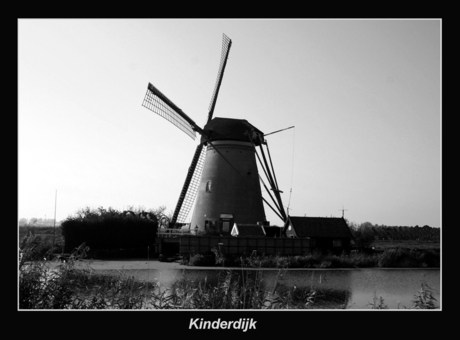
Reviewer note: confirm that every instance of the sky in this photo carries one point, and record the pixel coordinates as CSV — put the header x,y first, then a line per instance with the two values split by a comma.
x,y
364,97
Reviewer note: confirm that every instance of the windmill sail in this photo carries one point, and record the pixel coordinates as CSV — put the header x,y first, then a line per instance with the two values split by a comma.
x,y
226,44
157,102
190,187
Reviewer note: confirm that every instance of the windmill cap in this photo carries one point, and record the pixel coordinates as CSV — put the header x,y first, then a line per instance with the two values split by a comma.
x,y
232,129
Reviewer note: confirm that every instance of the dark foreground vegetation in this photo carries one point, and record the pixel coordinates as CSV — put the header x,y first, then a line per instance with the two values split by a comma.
x,y
68,286
107,231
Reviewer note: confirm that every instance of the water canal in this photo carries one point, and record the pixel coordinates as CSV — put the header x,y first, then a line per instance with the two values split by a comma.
x,y
396,286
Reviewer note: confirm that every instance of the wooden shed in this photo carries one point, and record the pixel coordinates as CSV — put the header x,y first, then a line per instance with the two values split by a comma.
x,y
325,233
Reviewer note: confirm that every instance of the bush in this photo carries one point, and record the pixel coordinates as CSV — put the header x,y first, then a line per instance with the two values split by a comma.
x,y
335,261
396,258
105,230
35,247
364,235
307,261
361,260
427,258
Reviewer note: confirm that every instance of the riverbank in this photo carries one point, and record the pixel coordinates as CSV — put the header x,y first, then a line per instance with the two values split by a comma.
x,y
392,258
122,265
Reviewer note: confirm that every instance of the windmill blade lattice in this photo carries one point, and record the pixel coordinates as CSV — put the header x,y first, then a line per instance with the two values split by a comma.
x,y
190,188
157,102
226,44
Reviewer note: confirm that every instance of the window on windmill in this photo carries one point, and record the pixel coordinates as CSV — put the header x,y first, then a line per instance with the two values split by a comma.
x,y
208,186
336,243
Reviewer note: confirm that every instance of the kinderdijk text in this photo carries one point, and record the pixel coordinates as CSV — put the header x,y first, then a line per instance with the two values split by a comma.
x,y
243,324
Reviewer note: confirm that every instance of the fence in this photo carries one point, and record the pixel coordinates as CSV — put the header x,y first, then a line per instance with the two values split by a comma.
x,y
190,244
172,232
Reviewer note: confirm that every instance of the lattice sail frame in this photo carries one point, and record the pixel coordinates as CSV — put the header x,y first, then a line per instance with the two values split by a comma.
x,y
192,188
158,103
226,44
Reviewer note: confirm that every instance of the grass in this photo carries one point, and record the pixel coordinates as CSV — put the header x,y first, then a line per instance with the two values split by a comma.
x,y
408,244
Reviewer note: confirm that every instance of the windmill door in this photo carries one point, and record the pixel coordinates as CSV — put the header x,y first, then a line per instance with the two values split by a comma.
x,y
226,222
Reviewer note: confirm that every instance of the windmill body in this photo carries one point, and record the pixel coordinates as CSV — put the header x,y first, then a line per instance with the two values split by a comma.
x,y
229,190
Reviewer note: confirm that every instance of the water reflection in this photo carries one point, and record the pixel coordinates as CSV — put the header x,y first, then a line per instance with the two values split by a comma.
x,y
396,286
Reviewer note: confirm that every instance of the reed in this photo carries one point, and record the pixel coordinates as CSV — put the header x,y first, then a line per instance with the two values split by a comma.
x,y
377,303
423,299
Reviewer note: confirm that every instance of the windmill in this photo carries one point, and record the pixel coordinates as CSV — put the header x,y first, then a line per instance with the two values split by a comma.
x,y
223,175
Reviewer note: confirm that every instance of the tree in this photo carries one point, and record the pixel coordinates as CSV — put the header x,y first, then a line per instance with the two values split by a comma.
x,y
352,225
364,235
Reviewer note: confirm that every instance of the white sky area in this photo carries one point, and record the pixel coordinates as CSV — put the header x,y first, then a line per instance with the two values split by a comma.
x,y
363,95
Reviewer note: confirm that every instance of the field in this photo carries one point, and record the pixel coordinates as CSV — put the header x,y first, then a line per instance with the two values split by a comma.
x,y
47,235
407,244
47,231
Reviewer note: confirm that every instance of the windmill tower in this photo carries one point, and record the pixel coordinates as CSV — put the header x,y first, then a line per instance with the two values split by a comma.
x,y
223,175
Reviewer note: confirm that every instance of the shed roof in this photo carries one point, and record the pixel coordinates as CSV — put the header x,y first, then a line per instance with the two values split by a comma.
x,y
249,230
320,226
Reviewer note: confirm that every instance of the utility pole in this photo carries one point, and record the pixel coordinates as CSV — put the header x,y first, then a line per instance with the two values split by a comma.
x,y
55,203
